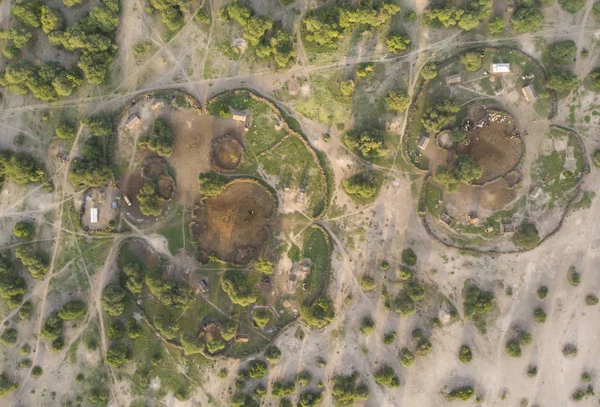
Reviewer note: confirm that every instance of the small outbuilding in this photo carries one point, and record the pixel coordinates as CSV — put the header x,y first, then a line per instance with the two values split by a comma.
x,y
423,142
132,121
94,215
535,192
446,219
453,79
529,92
158,105
501,68
239,115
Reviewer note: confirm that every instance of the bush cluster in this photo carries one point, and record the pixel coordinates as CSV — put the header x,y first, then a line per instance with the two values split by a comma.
x,y
160,139
363,187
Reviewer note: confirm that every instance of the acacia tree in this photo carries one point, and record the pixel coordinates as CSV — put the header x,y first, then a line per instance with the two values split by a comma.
x,y
471,61
397,101
397,43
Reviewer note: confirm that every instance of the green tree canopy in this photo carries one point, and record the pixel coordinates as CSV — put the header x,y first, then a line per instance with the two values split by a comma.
x,y
347,390
118,354
440,115
496,25
526,236
319,314
20,168
35,262
211,183
397,101
53,327
471,61
467,168
562,80
73,310
160,139
264,266
397,43
363,187
572,6
24,230
235,283
148,198
527,19
429,71
112,299
65,131
563,52
368,143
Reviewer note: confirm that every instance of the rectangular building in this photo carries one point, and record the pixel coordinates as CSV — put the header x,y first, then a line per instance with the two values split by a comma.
x,y
501,68
529,92
453,79
132,121
423,142
94,215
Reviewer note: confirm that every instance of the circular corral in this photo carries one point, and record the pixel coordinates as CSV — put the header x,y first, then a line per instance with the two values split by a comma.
x,y
234,224
226,154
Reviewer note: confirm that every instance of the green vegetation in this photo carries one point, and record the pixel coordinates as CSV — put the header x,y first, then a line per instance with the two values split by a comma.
x,y
363,187
573,276
429,71
303,378
423,347
389,338
264,266
149,199
367,283
46,82
118,354
526,236
462,393
562,80
586,377
471,61
262,317
409,256
397,101
211,183
513,348
397,43
563,52
72,310
257,369
94,170
477,303
347,390
36,371
6,386
272,354
134,277
440,115
386,377
569,350
367,326
100,126
591,300
25,349
141,48
542,292
160,139
112,299
467,168
451,16
53,327
572,6
496,25
464,354
407,358
172,293
319,314
9,337
281,389
116,330
310,399
526,338
527,18
171,12
595,79
368,143
404,305
539,315
65,131
20,168
532,371
12,286
237,285
35,261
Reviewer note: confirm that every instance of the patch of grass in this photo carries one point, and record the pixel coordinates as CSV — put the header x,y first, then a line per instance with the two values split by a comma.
x,y
316,248
585,201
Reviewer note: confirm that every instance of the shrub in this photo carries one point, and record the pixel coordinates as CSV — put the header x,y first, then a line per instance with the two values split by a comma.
x,y
134,330
397,43
496,25
415,291
35,262
9,337
526,338
477,302
423,347
526,236
562,80
464,354
389,338
25,310
193,346
160,139
573,276
542,292
386,376
134,277
141,48
65,131
310,399
57,345
272,354
53,327
215,346
397,101
264,266
229,330
347,88
116,330
346,390
532,371
118,354
407,358
223,373
36,371
280,389
429,71
405,273
513,348
303,378
471,61
6,386
262,317
363,187
572,6
257,369
586,377
569,350
404,305
409,257
112,299
235,283
148,198
211,183
367,143
319,314
367,326
527,19
367,283
539,315
591,300
72,310
467,168
462,393
417,334
563,52
365,70
439,116
25,349
24,230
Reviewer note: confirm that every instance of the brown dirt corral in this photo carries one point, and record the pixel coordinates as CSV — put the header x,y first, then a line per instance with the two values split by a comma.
x,y
143,252
227,153
234,224
494,149
483,200
154,167
166,187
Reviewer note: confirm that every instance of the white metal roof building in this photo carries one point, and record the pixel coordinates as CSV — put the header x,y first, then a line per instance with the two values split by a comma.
x,y
94,215
500,68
